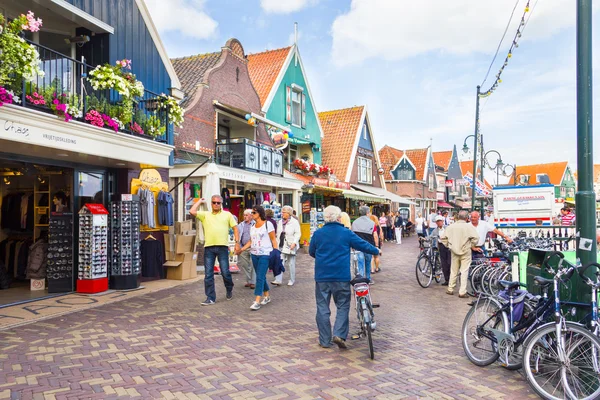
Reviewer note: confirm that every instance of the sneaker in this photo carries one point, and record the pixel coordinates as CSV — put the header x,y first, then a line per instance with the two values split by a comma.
x,y
230,295
340,342
255,306
450,292
445,284
290,283
207,302
276,283
266,301
325,347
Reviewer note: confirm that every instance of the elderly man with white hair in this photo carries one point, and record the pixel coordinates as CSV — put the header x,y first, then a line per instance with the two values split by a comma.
x,y
288,239
330,246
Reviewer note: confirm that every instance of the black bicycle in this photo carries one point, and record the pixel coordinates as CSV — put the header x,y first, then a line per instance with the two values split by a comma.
x,y
429,266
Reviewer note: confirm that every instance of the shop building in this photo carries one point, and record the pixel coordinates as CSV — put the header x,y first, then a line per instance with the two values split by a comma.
x,y
450,183
558,174
51,168
224,121
411,174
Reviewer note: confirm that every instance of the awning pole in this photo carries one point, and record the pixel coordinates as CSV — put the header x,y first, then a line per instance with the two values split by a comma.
x,y
191,173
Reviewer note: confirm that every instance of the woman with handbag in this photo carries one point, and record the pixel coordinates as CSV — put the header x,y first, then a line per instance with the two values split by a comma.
x,y
289,242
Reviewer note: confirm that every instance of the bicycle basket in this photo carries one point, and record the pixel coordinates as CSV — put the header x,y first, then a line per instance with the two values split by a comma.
x,y
518,302
425,243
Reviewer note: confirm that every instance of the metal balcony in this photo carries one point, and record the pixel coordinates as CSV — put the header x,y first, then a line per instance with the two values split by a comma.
x,y
249,155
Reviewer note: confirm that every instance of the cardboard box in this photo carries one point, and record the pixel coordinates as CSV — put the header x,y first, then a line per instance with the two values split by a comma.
x,y
184,267
180,243
181,227
37,284
170,255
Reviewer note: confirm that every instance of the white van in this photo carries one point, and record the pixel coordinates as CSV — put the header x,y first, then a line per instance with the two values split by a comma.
x,y
523,205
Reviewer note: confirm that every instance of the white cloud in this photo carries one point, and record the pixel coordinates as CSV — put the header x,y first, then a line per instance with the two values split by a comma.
x,y
285,6
185,16
395,30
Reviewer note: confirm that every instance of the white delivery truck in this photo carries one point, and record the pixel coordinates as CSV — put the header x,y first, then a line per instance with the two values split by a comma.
x,y
523,205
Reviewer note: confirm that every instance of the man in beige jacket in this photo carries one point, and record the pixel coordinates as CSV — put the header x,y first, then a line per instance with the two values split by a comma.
x,y
460,237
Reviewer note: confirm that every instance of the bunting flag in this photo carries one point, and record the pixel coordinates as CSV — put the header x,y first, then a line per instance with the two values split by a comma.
x,y
480,188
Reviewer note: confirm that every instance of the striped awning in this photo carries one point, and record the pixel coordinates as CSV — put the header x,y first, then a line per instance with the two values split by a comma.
x,y
358,195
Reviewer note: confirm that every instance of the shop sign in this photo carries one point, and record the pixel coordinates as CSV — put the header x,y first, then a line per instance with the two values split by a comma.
x,y
449,183
441,196
256,178
331,183
365,152
342,185
306,207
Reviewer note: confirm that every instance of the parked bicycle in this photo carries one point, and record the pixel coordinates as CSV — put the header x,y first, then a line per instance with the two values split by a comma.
x,y
363,305
429,266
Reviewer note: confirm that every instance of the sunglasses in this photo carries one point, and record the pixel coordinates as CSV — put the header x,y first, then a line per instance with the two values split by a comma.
x,y
216,202
254,212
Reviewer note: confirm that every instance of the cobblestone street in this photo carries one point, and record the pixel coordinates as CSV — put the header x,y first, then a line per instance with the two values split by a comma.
x,y
165,345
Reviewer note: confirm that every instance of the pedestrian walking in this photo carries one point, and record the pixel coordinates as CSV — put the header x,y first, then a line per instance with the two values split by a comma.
x,y
244,259
382,221
364,227
216,225
330,247
445,256
420,226
398,225
376,259
460,238
390,225
270,214
288,243
262,242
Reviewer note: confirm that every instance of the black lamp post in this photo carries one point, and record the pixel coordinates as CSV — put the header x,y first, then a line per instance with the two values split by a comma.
x,y
466,149
497,166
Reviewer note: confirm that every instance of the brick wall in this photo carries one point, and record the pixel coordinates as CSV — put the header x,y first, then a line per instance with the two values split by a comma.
x,y
228,83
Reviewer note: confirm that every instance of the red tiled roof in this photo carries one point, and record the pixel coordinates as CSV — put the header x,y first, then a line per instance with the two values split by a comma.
x,y
340,128
555,171
390,156
264,68
442,158
192,70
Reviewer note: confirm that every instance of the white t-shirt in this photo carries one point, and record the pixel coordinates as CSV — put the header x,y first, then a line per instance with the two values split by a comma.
x,y
419,223
432,218
483,228
261,242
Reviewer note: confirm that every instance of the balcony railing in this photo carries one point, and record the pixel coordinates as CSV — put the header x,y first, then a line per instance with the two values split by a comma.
x,y
249,155
65,77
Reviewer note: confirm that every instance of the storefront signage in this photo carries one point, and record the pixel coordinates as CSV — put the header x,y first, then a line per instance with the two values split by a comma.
x,y
365,152
331,183
441,196
256,178
480,188
306,207
449,183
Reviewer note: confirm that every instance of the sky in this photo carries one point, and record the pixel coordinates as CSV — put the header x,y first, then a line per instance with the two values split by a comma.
x,y
416,64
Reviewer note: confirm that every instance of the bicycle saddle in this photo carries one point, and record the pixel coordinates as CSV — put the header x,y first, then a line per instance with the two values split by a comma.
x,y
509,284
543,282
359,279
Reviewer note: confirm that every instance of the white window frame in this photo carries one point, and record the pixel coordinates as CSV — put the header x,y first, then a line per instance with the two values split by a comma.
x,y
292,155
364,132
296,105
365,170
431,184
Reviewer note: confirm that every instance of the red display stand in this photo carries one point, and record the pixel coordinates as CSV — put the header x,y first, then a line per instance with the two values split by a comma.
x,y
93,249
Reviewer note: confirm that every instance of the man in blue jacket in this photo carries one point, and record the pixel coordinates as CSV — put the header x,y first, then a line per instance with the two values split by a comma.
x,y
330,247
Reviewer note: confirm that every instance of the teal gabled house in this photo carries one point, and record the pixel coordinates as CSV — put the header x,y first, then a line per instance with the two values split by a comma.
x,y
280,80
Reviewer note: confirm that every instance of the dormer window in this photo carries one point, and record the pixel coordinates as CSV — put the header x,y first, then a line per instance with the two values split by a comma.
x,y
542,178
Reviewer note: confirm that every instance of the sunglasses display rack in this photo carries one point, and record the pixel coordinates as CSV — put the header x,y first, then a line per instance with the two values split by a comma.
x,y
125,255
93,249
59,267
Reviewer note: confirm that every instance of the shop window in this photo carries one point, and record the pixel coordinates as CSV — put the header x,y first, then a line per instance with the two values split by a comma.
x,y
431,183
405,214
365,170
91,188
290,155
296,107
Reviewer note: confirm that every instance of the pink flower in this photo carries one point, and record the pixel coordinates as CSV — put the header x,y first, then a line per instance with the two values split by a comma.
x,y
33,24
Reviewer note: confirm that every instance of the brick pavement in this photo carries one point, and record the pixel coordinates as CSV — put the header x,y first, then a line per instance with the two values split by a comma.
x,y
164,345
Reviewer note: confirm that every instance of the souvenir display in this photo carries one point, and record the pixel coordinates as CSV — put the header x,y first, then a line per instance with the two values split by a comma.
x,y
125,259
93,248
59,267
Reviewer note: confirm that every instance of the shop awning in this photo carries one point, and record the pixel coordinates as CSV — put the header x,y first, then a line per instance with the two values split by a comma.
x,y
384,193
443,204
358,195
328,190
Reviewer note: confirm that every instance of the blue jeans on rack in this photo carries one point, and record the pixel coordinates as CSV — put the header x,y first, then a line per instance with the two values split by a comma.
x,y
210,255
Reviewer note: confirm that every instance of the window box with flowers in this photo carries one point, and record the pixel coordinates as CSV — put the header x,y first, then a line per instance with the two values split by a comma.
x,y
312,169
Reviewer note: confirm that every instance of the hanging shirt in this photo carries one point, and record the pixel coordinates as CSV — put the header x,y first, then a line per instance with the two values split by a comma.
x,y
150,205
143,206
226,197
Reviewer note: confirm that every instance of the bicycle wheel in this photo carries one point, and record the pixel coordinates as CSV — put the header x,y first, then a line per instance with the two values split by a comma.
x,y
482,317
366,319
424,272
370,339
437,267
578,377
515,357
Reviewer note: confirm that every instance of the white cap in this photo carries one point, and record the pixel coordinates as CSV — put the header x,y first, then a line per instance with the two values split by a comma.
x,y
439,218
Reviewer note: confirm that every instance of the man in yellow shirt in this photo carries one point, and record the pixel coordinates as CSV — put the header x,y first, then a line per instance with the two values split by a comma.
x,y
216,225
